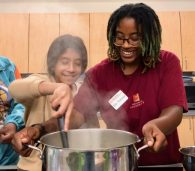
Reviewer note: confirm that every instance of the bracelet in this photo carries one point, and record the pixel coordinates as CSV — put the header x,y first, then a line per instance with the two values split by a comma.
x,y
41,128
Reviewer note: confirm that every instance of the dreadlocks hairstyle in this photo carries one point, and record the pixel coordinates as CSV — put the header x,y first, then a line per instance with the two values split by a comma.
x,y
148,26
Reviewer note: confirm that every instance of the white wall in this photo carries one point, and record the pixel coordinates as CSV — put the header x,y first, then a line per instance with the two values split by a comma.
x,y
89,5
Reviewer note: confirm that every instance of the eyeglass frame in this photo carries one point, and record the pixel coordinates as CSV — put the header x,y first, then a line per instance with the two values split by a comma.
x,y
129,41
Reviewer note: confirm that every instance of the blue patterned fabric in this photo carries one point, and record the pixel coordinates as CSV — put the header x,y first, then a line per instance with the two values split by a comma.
x,y
10,111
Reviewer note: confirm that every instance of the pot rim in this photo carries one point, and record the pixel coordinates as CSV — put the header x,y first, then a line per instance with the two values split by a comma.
x,y
85,150
137,139
184,153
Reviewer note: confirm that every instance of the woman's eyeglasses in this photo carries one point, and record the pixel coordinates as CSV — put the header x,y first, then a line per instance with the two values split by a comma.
x,y
133,40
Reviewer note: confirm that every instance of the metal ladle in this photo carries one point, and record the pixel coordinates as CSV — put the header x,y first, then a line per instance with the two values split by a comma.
x,y
63,134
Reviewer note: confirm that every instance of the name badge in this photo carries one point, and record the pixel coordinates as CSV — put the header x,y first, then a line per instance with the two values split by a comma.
x,y
118,100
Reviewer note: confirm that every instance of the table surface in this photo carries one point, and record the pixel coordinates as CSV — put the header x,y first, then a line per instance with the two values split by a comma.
x,y
172,167
177,167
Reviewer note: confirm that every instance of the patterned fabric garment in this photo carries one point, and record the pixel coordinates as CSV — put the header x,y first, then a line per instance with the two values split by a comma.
x,y
5,100
10,110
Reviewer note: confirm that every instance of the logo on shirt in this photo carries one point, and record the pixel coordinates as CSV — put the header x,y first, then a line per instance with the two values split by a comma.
x,y
136,101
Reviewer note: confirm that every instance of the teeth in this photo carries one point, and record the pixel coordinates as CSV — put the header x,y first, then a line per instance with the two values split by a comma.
x,y
127,53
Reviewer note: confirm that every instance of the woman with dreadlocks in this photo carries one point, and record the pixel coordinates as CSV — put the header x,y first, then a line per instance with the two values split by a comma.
x,y
138,88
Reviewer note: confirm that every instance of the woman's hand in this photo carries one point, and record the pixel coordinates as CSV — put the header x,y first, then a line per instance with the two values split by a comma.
x,y
62,103
154,137
27,135
155,130
7,132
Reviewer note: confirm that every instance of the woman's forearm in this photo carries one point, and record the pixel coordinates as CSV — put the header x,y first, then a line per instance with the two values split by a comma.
x,y
47,88
23,90
169,119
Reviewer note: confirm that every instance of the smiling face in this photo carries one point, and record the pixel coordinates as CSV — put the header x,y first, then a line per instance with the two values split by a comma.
x,y
128,41
68,67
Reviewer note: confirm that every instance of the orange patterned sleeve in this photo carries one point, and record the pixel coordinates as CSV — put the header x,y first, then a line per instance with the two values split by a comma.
x,y
17,73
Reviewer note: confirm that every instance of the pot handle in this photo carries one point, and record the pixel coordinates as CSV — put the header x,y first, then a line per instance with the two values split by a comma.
x,y
139,149
35,148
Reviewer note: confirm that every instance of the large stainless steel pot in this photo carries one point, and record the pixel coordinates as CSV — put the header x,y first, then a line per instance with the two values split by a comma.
x,y
189,157
90,150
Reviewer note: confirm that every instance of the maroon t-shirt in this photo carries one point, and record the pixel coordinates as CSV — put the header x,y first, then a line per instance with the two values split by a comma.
x,y
148,94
